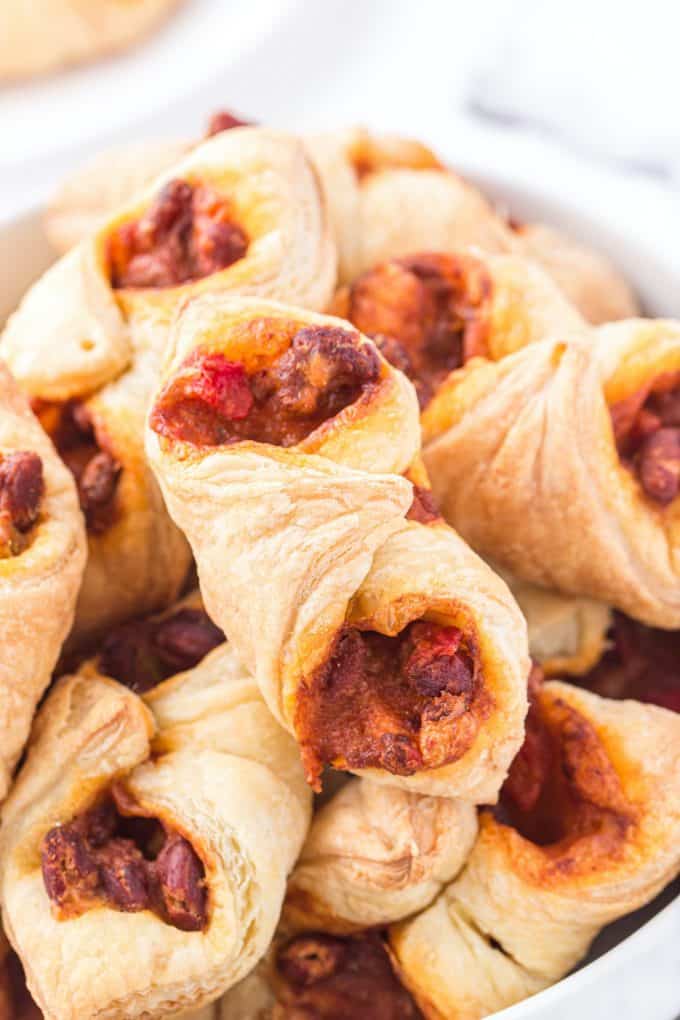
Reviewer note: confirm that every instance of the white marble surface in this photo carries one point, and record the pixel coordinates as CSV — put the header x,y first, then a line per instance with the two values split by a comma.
x,y
428,68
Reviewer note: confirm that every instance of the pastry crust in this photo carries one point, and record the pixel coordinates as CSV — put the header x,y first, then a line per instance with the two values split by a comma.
x,y
501,440
110,179
567,634
39,585
530,911
76,337
360,565
587,277
232,806
374,855
52,34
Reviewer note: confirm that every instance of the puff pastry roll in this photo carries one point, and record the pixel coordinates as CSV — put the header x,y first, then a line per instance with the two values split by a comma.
x,y
92,193
136,868
429,313
42,557
567,634
587,277
270,437
36,37
242,213
571,440
374,855
586,830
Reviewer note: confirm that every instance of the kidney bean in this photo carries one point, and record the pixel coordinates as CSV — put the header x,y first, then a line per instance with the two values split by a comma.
x,y
182,884
659,465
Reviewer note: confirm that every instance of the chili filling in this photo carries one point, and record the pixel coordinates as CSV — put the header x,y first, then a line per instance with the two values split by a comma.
x,y
647,433
187,233
427,313
143,653
641,663
562,789
22,488
224,120
15,999
423,507
404,703
114,856
212,401
320,977
94,468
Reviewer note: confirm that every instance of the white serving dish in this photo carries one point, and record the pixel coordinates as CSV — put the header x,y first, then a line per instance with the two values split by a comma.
x,y
632,971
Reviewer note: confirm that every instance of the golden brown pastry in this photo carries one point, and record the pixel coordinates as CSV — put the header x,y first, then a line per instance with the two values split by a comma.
x,y
586,830
587,277
42,557
431,312
93,192
37,36
271,436
567,634
562,464
136,868
241,213
374,855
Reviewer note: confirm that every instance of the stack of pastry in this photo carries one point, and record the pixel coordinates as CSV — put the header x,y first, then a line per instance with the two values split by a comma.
x,y
401,444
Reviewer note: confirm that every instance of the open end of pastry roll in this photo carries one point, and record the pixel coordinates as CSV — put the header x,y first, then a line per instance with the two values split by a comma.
x,y
401,703
639,662
115,855
293,379
563,793
332,978
429,313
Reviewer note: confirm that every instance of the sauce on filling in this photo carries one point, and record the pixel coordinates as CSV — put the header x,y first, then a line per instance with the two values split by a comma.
x,y
188,232
114,856
22,489
321,977
95,470
647,433
562,791
641,663
212,401
142,653
427,313
400,703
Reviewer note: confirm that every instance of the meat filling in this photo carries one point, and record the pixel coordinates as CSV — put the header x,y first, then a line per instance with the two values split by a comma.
x,y
427,314
320,977
143,653
641,663
187,233
404,703
647,433
212,401
562,788
95,469
22,488
105,857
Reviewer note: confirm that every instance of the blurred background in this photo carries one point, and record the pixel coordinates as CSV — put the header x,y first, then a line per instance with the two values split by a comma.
x,y
575,103
578,98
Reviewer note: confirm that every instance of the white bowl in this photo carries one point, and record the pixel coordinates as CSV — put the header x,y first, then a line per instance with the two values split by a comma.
x,y
631,971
